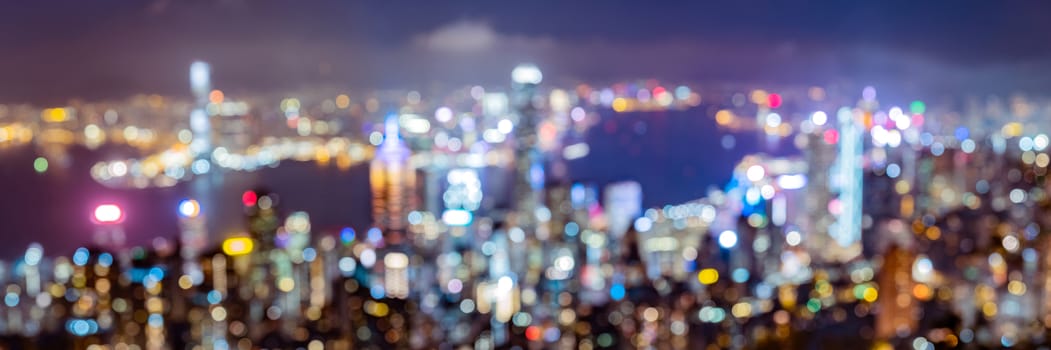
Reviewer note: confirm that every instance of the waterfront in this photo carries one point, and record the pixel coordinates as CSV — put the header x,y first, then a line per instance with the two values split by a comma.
x,y
338,198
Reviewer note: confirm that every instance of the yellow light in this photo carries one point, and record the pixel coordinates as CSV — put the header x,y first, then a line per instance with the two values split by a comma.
x,y
54,115
933,233
343,101
235,246
219,313
759,97
741,310
922,292
619,104
380,310
1016,287
1012,129
185,281
951,340
708,276
906,206
870,294
902,187
989,309
154,305
724,117
286,284
882,345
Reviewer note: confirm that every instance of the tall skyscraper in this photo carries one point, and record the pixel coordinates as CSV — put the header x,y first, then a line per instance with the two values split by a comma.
x,y
529,170
393,182
200,124
623,203
847,181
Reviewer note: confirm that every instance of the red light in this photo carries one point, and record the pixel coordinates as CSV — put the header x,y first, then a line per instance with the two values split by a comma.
x,y
774,100
831,136
108,214
532,333
249,198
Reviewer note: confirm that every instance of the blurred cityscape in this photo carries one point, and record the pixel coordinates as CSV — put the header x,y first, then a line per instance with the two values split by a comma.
x,y
858,222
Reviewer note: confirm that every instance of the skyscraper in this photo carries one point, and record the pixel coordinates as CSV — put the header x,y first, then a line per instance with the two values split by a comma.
x,y
200,125
847,181
393,182
529,170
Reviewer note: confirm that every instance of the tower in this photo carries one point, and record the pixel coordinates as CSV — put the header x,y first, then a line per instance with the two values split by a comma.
x,y
200,125
529,170
847,181
393,183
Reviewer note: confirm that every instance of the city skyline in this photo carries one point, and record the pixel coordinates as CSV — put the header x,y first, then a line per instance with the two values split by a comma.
x,y
271,174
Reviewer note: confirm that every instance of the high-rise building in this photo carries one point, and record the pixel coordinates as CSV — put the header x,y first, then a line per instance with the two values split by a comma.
x,y
529,170
200,125
109,229
897,308
193,235
393,182
263,219
623,203
847,181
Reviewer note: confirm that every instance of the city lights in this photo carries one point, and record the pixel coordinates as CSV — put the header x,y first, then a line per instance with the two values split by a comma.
x,y
236,246
249,198
457,217
526,74
791,181
755,173
40,164
819,118
432,176
727,239
189,208
108,214
435,191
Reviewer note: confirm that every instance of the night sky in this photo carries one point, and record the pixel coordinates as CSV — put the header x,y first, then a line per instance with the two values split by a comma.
x,y
56,50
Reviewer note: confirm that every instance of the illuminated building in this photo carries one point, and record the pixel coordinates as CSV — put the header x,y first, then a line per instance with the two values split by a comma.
x,y
847,181
260,208
200,125
193,234
897,306
623,203
816,219
234,128
393,183
109,231
529,170
396,276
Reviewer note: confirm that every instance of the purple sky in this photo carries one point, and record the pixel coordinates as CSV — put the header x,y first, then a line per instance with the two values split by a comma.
x,y
60,49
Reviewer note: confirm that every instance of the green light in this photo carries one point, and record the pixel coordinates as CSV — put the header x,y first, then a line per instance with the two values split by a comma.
x,y
40,164
814,305
859,291
917,107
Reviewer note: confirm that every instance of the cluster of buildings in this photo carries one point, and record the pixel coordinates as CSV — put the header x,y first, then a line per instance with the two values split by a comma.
x,y
890,227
